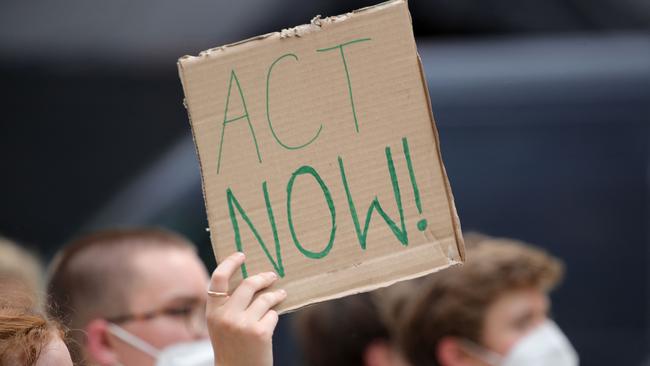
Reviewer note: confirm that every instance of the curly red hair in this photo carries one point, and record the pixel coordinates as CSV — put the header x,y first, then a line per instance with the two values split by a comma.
x,y
23,332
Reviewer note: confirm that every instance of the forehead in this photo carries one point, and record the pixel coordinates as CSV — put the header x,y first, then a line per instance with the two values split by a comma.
x,y
516,302
161,275
55,353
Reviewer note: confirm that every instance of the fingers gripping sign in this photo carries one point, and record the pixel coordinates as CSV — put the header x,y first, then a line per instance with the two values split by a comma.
x,y
218,288
241,325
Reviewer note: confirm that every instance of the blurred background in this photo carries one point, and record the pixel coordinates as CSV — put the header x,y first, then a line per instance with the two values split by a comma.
x,y
543,109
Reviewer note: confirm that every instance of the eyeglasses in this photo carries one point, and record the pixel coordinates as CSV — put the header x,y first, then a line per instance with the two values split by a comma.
x,y
191,313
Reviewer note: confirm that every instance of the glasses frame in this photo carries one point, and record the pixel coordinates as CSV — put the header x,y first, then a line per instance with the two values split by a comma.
x,y
195,321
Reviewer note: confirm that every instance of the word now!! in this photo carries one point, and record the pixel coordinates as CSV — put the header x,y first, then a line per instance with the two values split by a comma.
x,y
399,231
233,77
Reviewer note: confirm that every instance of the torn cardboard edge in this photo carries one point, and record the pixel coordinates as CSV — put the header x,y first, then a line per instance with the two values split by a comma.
x,y
317,23
460,243
198,155
451,262
369,288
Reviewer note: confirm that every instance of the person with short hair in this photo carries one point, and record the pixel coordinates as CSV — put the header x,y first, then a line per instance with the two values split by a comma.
x,y
240,321
493,310
129,296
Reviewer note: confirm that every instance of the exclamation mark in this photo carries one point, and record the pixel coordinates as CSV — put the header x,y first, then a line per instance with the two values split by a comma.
x,y
422,224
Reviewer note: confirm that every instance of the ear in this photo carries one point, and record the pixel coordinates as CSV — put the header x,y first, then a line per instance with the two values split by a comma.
x,y
378,353
98,345
450,352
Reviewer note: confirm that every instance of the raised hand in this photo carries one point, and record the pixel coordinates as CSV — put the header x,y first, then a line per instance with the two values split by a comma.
x,y
241,324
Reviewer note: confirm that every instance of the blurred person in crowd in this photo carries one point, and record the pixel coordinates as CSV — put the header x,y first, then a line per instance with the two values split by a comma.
x,y
27,337
21,274
241,324
493,310
132,297
347,331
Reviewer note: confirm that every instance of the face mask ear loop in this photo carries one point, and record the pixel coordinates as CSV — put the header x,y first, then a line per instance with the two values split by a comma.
x,y
132,340
482,353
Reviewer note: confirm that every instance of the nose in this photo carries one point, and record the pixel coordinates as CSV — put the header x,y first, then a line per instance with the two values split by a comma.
x,y
201,333
199,324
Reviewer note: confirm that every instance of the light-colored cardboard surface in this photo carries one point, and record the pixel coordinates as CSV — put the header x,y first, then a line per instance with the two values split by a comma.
x,y
298,135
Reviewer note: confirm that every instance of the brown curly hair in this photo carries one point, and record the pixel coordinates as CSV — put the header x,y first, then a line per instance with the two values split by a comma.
x,y
23,332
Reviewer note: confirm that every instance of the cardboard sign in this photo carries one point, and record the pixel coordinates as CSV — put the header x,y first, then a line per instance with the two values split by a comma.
x,y
320,157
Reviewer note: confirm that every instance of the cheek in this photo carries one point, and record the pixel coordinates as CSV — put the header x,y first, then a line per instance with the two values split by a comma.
x,y
502,338
126,354
171,331
510,339
131,356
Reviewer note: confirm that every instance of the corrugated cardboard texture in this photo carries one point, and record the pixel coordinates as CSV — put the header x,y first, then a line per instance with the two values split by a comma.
x,y
299,132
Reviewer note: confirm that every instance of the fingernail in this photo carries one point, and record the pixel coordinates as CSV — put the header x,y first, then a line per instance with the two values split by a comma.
x,y
240,255
272,275
282,292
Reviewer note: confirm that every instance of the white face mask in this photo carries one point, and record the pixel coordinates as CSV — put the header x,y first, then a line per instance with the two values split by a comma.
x,y
546,345
197,353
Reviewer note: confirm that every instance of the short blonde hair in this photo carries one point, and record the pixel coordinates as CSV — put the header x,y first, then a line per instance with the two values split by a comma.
x,y
454,302
21,271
